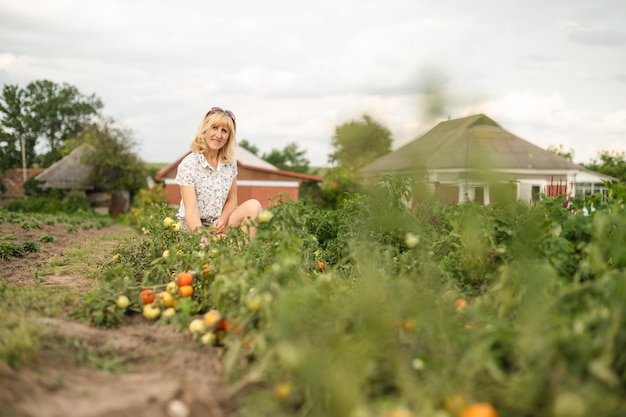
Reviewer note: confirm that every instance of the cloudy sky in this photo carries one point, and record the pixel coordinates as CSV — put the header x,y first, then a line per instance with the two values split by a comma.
x,y
552,72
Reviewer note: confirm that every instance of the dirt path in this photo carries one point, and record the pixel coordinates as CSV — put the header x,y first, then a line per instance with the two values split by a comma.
x,y
164,372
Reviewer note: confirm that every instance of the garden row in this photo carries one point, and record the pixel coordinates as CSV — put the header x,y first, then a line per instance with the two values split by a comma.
x,y
12,246
381,310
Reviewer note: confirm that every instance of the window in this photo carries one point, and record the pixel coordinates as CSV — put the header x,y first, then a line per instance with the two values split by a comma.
x,y
479,195
535,193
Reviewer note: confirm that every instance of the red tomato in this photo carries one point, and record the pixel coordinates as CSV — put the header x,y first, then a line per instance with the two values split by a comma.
x,y
147,296
184,278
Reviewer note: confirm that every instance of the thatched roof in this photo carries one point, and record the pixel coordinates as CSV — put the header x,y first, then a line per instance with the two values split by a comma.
x,y
473,142
68,173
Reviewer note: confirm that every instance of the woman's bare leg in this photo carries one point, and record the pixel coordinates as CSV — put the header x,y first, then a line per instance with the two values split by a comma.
x,y
243,216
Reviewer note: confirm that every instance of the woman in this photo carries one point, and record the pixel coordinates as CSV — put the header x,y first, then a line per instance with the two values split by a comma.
x,y
208,179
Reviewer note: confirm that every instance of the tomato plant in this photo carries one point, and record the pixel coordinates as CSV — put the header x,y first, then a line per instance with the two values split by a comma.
x,y
380,308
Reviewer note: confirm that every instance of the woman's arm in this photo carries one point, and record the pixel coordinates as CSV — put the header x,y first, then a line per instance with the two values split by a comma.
x,y
192,212
229,206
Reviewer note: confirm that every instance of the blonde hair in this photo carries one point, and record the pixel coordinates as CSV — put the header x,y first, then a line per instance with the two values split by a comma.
x,y
220,119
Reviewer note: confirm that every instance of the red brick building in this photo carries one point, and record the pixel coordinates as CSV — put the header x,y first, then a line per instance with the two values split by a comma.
x,y
256,179
13,180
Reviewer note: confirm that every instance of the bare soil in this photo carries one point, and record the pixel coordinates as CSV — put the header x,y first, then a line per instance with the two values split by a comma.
x,y
165,372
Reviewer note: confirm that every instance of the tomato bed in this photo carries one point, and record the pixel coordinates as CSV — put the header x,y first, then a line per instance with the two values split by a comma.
x,y
378,309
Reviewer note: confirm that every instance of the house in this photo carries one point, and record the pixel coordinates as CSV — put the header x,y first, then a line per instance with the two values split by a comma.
x,y
475,159
256,178
71,173
68,173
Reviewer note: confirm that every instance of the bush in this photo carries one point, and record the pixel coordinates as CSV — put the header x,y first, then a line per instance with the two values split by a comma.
x,y
75,201
70,202
47,238
9,250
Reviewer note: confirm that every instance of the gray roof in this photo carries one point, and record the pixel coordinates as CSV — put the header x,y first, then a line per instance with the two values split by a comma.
x,y
248,158
68,173
473,142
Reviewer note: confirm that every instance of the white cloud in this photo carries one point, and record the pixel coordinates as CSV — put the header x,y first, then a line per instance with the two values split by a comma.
x,y
6,60
546,120
525,107
547,71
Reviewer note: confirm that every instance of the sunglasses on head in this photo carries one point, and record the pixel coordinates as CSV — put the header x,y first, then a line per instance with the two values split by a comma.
x,y
220,110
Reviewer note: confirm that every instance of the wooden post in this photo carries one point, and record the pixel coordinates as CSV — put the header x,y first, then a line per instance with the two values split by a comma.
x,y
24,173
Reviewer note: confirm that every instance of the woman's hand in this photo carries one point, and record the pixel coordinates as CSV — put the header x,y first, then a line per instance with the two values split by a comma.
x,y
219,225
206,240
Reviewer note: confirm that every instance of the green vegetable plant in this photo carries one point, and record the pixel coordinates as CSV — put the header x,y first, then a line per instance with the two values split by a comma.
x,y
382,305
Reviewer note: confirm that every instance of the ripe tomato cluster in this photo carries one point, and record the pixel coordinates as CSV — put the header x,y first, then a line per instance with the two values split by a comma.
x,y
163,303
210,328
184,281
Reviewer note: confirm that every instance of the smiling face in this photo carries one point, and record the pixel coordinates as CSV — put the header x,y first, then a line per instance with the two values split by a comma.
x,y
216,136
216,132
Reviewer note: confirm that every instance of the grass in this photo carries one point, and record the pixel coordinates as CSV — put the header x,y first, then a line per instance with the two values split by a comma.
x,y
22,339
83,259
80,353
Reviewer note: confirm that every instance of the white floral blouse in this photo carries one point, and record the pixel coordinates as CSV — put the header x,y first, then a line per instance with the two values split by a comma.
x,y
212,185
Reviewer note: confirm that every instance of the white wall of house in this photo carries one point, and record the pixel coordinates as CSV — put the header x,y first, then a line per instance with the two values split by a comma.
x,y
589,183
474,191
529,189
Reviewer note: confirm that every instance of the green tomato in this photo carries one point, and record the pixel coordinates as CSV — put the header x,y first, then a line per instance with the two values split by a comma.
x,y
411,240
169,312
208,339
172,288
151,312
197,326
265,216
254,302
123,302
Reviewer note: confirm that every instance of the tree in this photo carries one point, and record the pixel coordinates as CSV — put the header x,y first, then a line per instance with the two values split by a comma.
x,y
17,141
114,165
357,143
612,163
247,145
560,150
289,159
46,114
